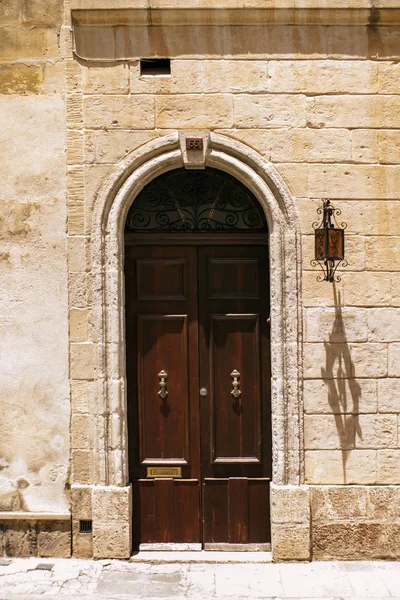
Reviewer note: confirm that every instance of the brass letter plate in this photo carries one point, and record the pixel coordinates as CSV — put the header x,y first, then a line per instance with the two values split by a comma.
x,y
174,472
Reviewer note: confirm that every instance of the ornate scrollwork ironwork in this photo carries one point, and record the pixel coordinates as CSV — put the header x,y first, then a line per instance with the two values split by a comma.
x,y
329,214
195,201
329,270
329,242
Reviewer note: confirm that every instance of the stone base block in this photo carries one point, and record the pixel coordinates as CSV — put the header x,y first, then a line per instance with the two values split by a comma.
x,y
112,539
109,508
290,504
81,508
290,522
42,538
290,542
112,521
355,522
356,541
338,503
54,539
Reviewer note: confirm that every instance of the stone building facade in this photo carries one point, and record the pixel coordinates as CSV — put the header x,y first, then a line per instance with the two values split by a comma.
x,y
300,101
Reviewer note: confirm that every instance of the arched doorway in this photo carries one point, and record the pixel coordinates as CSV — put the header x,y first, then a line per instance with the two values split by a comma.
x,y
101,489
198,362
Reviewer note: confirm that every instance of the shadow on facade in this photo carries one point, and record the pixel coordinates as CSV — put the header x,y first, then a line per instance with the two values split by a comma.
x,y
344,392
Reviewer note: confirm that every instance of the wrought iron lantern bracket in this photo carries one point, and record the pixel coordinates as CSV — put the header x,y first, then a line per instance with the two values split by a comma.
x,y
329,242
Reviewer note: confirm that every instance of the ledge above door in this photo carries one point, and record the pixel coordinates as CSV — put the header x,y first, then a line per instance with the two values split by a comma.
x,y
234,12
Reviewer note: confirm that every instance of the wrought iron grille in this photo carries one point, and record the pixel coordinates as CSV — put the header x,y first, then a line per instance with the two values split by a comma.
x,y
195,201
85,526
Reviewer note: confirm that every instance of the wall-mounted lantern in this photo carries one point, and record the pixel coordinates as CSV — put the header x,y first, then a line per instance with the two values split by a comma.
x,y
329,242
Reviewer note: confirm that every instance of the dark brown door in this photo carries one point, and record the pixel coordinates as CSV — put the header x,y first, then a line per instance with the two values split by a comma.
x,y
196,317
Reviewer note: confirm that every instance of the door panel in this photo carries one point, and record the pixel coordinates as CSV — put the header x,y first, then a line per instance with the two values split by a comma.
x,y
166,510
233,278
163,341
235,368
236,511
161,279
259,527
235,428
163,392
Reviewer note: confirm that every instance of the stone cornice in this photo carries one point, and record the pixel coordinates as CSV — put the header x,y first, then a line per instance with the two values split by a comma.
x,y
233,4
230,12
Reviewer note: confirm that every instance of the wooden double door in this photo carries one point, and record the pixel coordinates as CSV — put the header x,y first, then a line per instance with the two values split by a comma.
x,y
198,372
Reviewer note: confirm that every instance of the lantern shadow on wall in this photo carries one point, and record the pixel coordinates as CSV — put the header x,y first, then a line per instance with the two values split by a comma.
x,y
329,242
344,391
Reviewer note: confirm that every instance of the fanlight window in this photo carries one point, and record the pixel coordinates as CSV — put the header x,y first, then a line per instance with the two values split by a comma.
x,y
195,201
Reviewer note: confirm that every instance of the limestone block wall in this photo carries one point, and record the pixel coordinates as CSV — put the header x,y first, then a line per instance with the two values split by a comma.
x,y
321,103
34,388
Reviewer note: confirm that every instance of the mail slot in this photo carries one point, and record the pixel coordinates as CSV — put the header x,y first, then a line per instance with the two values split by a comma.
x,y
173,472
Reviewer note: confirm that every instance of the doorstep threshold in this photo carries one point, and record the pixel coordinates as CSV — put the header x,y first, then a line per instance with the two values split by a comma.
x,y
202,556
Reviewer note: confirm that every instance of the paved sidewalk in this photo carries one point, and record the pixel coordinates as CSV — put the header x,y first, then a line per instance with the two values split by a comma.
x,y
152,578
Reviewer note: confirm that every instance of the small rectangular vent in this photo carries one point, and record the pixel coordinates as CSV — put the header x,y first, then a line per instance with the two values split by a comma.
x,y
44,567
85,526
155,66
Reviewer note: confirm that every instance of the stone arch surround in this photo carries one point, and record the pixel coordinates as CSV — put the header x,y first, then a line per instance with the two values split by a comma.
x,y
106,497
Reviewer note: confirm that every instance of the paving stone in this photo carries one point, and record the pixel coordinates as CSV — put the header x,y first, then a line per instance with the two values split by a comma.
x,y
119,580
161,584
315,581
368,584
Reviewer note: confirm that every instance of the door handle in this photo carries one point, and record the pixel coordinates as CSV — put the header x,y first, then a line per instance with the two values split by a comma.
x,y
203,392
163,392
236,393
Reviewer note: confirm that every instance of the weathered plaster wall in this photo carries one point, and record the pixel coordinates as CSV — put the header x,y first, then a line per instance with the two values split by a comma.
x,y
34,388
